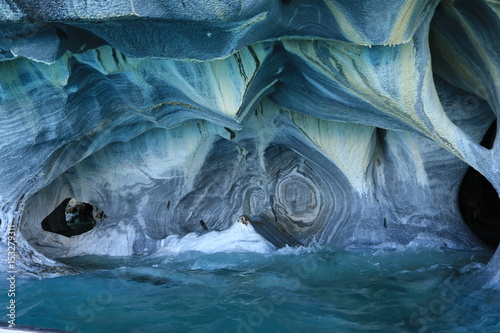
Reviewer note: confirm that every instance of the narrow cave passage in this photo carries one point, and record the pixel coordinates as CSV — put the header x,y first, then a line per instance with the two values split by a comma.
x,y
72,218
479,202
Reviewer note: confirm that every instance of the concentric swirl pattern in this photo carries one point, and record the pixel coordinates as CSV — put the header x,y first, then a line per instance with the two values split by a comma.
x,y
308,198
300,198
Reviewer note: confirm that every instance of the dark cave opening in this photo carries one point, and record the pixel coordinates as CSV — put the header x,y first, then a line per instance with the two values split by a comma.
x,y
72,218
479,202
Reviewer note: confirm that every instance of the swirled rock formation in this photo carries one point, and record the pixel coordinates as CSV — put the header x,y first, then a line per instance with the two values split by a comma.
x,y
342,122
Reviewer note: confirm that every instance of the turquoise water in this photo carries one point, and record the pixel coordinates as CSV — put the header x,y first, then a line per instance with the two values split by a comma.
x,y
293,290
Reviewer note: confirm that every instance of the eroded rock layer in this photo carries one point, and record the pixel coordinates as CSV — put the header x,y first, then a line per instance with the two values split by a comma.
x,y
339,122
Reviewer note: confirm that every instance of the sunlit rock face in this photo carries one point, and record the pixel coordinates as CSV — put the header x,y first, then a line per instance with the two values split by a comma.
x,y
349,123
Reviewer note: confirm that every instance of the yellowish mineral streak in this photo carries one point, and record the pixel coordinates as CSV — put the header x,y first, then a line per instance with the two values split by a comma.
x,y
396,85
345,23
348,145
483,52
403,28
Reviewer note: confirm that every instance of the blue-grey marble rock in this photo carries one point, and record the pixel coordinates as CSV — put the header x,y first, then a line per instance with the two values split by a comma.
x,y
349,123
176,29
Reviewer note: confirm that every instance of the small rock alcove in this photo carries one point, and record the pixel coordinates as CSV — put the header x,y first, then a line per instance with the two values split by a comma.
x,y
72,217
479,202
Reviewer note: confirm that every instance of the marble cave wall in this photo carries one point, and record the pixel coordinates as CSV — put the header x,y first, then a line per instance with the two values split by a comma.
x,y
344,122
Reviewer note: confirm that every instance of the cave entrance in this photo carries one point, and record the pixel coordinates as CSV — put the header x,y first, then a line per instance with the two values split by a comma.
x,y
72,218
478,201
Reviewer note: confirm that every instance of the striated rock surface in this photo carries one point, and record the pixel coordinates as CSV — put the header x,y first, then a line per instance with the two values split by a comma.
x,y
344,122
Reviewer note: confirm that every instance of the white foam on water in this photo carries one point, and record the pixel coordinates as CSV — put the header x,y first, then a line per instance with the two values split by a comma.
x,y
238,238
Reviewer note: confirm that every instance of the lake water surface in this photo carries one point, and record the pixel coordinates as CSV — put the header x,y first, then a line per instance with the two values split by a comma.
x,y
316,289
